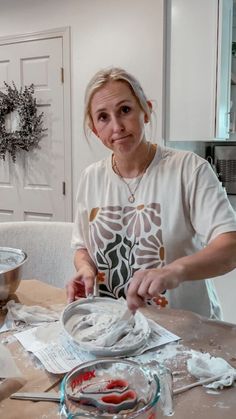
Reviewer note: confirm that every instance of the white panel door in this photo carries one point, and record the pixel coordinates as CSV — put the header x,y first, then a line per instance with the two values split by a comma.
x,y
32,188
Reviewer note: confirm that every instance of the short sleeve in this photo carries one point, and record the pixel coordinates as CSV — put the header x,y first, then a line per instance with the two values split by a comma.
x,y
210,210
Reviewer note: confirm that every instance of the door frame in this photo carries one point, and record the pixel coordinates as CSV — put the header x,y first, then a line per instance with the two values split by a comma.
x,y
65,34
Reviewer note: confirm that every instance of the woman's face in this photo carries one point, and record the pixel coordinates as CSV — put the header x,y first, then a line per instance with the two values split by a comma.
x,y
117,117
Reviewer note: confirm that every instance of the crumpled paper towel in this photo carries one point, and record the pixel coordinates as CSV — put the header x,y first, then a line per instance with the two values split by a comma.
x,y
31,315
203,365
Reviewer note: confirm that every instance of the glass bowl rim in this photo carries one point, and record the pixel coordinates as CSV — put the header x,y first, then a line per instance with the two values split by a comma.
x,y
90,414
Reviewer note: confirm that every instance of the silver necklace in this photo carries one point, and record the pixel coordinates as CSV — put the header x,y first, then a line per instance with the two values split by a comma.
x,y
131,197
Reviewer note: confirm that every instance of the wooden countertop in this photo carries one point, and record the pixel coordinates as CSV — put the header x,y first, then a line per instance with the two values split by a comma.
x,y
198,333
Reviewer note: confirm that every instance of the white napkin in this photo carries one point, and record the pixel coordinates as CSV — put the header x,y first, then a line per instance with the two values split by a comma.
x,y
203,365
30,315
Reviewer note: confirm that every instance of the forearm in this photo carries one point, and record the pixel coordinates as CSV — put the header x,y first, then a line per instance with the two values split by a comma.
x,y
82,258
217,258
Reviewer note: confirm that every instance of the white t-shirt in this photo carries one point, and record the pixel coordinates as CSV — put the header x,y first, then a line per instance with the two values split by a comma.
x,y
179,207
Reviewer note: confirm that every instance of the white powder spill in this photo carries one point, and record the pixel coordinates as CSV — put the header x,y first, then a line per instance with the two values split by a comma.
x,y
221,405
173,352
28,358
48,334
8,339
213,392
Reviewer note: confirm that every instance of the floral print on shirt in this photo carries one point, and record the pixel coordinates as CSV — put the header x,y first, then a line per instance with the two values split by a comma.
x,y
125,240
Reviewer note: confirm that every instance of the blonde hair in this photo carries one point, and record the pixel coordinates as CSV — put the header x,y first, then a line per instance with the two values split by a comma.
x,y
112,74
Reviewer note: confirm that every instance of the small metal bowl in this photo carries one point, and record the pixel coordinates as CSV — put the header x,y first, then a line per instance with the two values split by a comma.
x,y
11,261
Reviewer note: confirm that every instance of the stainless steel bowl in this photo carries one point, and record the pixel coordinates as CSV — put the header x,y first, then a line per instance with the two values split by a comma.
x,y
11,261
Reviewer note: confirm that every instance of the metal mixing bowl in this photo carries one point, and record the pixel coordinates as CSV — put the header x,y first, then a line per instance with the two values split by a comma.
x,y
11,261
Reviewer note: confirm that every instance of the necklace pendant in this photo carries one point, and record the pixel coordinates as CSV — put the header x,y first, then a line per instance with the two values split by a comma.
x,y
131,199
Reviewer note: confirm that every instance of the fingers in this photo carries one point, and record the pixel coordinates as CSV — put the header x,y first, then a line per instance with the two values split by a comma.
x,y
81,285
79,289
70,291
134,302
146,284
89,285
137,291
149,283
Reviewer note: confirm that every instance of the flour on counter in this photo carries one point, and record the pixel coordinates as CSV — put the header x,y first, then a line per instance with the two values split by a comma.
x,y
59,354
8,367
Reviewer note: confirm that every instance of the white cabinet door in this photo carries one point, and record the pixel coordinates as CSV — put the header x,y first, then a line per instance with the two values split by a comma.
x,y
224,69
32,188
198,69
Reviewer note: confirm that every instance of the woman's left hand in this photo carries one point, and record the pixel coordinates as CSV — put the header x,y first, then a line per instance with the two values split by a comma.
x,y
150,283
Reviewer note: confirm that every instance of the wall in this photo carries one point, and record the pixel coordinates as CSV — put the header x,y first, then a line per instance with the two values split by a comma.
x,y
127,33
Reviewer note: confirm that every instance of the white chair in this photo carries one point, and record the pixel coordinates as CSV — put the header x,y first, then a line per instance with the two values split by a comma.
x,y
47,244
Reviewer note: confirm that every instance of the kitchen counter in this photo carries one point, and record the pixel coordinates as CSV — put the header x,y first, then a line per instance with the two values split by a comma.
x,y
196,332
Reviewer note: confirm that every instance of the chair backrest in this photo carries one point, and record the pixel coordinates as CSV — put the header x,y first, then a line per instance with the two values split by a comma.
x,y
47,244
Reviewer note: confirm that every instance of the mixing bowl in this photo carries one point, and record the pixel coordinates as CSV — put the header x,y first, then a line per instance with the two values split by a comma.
x,y
11,261
94,390
105,327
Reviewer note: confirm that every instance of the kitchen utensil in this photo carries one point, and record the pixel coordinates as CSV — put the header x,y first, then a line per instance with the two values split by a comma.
x,y
196,384
108,388
55,397
11,261
37,396
81,293
109,396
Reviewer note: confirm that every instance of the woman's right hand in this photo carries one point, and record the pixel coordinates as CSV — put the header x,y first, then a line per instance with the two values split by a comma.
x,y
82,284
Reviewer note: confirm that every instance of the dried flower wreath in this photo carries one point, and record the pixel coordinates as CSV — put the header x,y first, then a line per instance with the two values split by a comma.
x,y
30,127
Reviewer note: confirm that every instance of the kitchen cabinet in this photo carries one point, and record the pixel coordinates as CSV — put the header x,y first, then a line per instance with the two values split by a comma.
x,y
233,81
198,70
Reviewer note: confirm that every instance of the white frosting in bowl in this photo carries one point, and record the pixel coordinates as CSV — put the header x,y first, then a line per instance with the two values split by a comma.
x,y
105,327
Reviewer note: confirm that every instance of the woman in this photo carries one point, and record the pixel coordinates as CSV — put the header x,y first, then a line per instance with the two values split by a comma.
x,y
149,218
